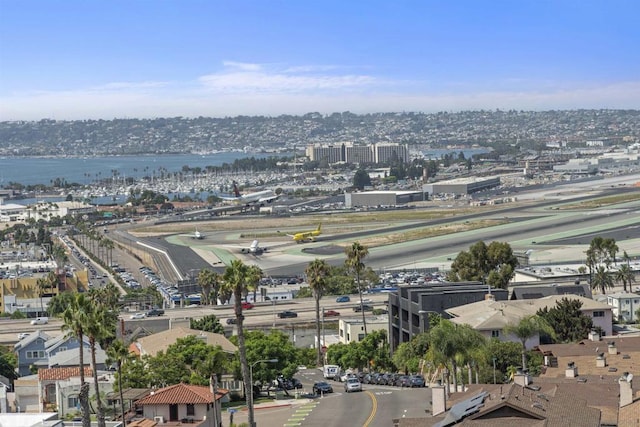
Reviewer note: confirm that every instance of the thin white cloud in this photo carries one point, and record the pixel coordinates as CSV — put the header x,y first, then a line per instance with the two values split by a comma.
x,y
255,89
244,66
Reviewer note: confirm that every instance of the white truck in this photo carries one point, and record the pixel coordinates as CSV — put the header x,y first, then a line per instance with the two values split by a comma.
x,y
331,371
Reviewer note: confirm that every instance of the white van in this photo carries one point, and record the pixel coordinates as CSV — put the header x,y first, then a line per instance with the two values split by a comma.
x,y
40,321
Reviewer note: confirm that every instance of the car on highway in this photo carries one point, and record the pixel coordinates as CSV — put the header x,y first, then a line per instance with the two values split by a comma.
x,y
23,335
40,321
322,387
352,384
287,314
330,313
155,312
231,321
343,298
365,307
138,316
247,305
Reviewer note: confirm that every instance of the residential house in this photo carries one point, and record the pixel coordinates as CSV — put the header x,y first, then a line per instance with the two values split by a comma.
x,y
185,404
625,306
39,350
489,317
153,344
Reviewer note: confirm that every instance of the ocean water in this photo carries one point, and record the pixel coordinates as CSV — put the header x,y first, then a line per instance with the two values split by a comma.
x,y
39,170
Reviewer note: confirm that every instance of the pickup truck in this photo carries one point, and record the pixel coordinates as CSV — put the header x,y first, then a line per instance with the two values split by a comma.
x,y
155,312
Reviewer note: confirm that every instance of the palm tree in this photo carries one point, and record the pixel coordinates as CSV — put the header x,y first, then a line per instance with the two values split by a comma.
x,y
42,283
235,280
528,327
355,254
316,272
253,279
625,275
75,319
118,353
602,279
209,280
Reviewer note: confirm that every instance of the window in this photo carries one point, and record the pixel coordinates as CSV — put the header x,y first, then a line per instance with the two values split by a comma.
x,y
495,333
73,402
191,410
598,314
36,354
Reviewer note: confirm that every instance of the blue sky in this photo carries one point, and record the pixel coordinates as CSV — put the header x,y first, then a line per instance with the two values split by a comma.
x,y
114,59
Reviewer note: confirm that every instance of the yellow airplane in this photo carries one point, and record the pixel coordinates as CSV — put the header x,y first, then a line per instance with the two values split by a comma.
x,y
307,236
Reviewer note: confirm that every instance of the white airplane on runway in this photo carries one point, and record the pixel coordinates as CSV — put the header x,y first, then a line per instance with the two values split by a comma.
x,y
254,249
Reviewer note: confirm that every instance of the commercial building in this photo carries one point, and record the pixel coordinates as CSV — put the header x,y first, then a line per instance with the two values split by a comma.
x,y
409,305
352,330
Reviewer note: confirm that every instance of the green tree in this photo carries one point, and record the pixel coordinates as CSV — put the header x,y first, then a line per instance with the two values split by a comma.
x,y
602,252
209,323
494,264
361,179
58,303
316,272
356,253
254,274
209,281
8,364
528,327
567,321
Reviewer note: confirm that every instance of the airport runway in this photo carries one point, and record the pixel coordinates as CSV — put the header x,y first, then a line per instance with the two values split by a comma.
x,y
535,226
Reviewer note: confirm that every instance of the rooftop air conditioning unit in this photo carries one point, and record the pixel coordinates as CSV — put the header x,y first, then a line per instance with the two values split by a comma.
x,y
159,419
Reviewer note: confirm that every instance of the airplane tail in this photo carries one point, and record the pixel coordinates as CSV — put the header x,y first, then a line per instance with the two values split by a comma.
x,y
236,191
319,229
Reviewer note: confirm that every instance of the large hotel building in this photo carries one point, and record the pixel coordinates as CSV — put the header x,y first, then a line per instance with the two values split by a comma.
x,y
348,152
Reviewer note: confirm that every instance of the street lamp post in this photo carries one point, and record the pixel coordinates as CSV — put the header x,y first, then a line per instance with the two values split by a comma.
x,y
252,422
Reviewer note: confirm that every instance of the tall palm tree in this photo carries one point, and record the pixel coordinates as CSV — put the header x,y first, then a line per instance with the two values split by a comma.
x,y
253,280
235,280
528,327
316,272
100,328
444,345
602,279
42,284
118,353
209,281
75,318
356,253
625,275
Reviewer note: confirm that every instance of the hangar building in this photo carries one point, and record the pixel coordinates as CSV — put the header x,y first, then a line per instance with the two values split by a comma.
x,y
381,198
461,185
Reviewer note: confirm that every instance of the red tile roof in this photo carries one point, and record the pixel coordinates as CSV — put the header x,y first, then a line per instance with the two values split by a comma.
x,y
62,373
181,394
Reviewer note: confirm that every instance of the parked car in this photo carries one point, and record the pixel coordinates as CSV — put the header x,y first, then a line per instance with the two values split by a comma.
x,y
247,305
40,321
330,313
352,384
322,387
417,381
138,316
231,321
287,313
403,381
343,298
365,307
